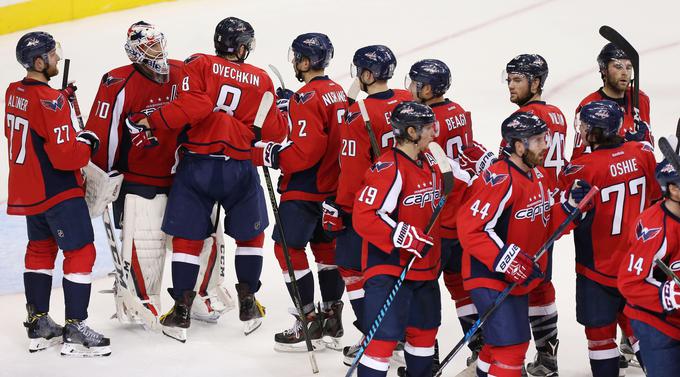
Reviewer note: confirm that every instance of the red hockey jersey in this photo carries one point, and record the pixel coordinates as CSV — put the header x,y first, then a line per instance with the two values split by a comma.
x,y
555,159
506,206
310,164
628,123
655,235
44,156
397,188
625,176
214,89
356,155
123,91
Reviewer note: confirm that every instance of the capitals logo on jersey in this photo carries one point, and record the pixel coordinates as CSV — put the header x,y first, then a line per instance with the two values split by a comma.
x,y
110,80
350,117
379,166
302,98
191,59
53,105
571,169
645,234
493,179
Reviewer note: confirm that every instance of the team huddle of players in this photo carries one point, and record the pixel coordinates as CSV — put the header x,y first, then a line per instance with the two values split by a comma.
x,y
359,185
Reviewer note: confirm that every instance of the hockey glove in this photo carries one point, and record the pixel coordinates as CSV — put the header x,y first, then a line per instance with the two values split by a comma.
x,y
578,191
517,266
283,99
70,91
270,153
475,158
411,239
333,217
670,295
641,130
140,133
89,138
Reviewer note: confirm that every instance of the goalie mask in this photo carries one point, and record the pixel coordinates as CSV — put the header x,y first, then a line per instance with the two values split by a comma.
x,y
145,47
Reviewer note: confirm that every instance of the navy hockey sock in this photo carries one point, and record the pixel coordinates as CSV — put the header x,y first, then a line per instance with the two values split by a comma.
x,y
76,299
605,368
306,287
358,308
418,366
331,285
248,270
544,329
184,277
37,288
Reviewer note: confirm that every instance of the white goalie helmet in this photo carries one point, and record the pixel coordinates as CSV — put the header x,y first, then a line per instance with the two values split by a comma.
x,y
145,46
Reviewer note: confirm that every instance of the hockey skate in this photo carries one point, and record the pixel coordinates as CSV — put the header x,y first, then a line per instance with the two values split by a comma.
x,y
349,353
627,351
82,341
545,361
210,307
398,359
176,322
42,331
332,326
251,311
293,339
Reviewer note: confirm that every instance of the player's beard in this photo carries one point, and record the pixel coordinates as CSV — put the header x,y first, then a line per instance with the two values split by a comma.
x,y
533,159
521,100
51,71
617,83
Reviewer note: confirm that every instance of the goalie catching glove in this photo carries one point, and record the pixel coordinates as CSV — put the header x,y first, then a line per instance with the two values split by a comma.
x,y
411,239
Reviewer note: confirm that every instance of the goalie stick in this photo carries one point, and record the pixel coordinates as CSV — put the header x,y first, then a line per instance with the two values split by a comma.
x,y
616,38
504,294
447,178
265,104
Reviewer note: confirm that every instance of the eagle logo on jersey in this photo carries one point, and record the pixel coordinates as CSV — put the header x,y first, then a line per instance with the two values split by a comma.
x,y
53,105
645,234
647,147
191,59
380,166
350,117
302,98
110,80
492,178
571,169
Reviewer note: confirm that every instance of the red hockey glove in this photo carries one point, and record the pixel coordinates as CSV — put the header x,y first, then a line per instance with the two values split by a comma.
x,y
411,239
89,138
333,215
70,91
139,132
517,266
670,295
475,158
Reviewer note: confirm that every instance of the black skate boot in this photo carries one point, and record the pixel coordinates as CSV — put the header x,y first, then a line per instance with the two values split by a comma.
x,y
42,331
176,322
293,339
349,353
251,311
627,351
332,326
545,362
82,341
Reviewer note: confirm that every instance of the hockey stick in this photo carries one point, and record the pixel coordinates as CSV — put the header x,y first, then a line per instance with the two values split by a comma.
x,y
447,177
353,91
278,75
616,38
74,100
504,294
265,105
667,270
669,153
371,135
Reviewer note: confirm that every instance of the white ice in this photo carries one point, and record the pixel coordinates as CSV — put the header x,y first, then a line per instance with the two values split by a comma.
x,y
476,39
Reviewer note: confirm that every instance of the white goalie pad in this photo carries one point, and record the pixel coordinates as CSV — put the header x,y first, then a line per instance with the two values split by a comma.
x,y
144,247
101,188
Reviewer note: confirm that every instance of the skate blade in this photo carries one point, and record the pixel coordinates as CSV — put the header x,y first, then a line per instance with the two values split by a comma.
x,y
79,350
36,345
398,359
176,333
333,343
317,344
251,325
348,360
470,371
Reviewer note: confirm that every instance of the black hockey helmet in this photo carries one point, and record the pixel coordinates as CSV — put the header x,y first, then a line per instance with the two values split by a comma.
x,y
431,72
33,45
521,126
530,65
232,33
604,114
316,47
410,114
608,53
665,174
377,59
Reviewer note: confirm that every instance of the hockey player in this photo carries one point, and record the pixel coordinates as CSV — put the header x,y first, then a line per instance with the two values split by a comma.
x,y
46,152
391,210
309,167
373,66
428,81
616,71
525,76
511,213
652,298
625,175
219,97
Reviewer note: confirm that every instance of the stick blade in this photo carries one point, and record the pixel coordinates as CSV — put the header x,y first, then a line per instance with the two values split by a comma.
x,y
669,153
444,166
610,34
262,111
277,73
354,89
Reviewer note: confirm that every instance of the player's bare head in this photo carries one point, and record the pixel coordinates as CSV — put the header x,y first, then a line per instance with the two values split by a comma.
x,y
667,176
310,53
234,39
428,79
525,75
145,46
37,51
413,122
616,68
599,123
527,137
373,64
